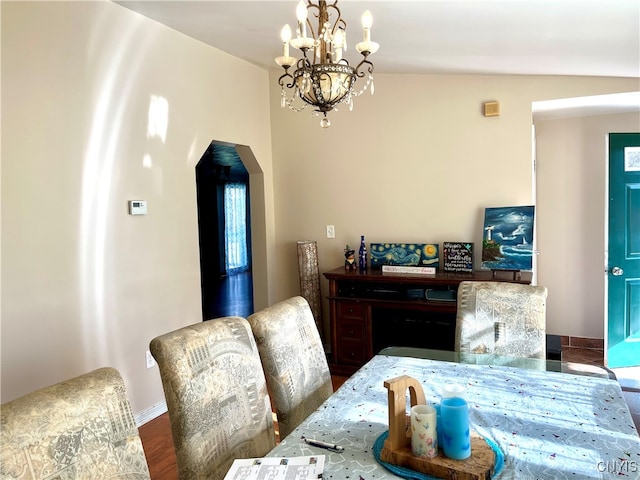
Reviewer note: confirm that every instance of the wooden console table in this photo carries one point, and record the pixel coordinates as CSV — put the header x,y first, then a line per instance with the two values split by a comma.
x,y
373,310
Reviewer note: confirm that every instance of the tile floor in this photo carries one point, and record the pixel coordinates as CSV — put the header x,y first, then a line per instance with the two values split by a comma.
x,y
629,378
582,355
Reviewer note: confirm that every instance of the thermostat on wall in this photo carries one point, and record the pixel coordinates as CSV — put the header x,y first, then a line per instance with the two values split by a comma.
x,y
137,207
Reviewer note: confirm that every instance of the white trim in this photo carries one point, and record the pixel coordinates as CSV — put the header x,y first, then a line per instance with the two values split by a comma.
x,y
150,413
607,205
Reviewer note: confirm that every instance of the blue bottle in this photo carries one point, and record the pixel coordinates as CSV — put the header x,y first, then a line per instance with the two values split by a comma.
x,y
362,257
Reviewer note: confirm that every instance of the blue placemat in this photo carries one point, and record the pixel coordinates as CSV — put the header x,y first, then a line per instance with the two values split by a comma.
x,y
413,475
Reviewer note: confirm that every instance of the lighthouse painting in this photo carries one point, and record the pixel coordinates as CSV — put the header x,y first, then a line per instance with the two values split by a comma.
x,y
507,242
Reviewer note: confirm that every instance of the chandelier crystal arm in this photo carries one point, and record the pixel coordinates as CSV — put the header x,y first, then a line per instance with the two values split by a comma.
x,y
303,62
364,61
340,22
286,74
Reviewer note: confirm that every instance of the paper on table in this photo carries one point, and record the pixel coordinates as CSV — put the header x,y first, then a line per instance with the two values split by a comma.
x,y
274,468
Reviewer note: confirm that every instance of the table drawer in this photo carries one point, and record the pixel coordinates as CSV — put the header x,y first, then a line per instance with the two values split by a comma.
x,y
354,329
351,351
349,310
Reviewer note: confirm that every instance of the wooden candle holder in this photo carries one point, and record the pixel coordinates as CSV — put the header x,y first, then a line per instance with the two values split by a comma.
x,y
397,446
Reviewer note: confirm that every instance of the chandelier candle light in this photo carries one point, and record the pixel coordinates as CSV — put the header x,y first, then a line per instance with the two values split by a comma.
x,y
322,77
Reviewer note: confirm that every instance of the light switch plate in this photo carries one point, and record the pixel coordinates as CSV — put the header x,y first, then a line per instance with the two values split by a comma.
x,y
331,231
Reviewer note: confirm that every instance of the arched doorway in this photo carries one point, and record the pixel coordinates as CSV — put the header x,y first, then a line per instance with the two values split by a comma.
x,y
224,228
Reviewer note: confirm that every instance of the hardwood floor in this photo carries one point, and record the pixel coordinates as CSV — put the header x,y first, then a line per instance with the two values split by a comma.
x,y
233,296
158,447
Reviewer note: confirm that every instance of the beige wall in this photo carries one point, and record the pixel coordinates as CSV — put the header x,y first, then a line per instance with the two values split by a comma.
x,y
417,162
85,284
571,173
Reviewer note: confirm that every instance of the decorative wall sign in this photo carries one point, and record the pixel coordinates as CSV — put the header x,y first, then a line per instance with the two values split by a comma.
x,y
408,254
508,238
412,269
457,257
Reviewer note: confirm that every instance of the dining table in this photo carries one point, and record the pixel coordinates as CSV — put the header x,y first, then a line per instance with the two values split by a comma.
x,y
545,419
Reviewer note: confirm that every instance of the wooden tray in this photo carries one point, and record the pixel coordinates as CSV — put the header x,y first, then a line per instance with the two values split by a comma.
x,y
479,466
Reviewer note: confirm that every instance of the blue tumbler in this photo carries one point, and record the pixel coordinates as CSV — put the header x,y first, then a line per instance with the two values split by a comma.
x,y
456,438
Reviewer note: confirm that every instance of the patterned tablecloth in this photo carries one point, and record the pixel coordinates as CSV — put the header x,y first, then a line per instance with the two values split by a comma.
x,y
549,425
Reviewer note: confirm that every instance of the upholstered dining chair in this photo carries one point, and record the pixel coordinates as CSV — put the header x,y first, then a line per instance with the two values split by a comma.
x,y
294,360
501,318
76,429
216,396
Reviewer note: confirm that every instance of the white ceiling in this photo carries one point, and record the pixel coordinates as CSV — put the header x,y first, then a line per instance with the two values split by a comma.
x,y
530,37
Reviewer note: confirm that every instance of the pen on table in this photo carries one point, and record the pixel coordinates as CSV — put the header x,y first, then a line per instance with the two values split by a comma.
x,y
318,443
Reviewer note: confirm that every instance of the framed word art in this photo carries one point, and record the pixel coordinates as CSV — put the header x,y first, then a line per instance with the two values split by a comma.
x,y
457,257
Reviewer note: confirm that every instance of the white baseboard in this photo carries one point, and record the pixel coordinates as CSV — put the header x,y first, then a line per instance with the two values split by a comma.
x,y
150,413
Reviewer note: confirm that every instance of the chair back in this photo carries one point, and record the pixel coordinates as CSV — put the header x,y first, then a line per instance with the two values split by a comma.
x,y
216,396
501,318
294,360
76,429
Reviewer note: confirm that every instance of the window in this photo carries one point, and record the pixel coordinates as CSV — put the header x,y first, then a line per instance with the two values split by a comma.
x,y
235,232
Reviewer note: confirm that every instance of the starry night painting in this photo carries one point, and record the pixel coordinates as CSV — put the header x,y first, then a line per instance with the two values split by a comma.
x,y
406,254
507,243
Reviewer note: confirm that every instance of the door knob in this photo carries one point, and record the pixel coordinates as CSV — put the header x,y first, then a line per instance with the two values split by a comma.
x,y
616,271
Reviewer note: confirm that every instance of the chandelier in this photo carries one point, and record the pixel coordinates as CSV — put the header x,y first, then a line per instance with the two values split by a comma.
x,y
322,77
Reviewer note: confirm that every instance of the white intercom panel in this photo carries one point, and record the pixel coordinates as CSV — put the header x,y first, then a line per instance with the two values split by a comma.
x,y
137,207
